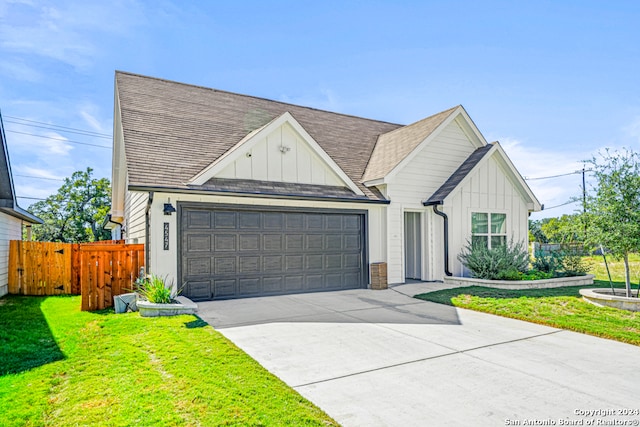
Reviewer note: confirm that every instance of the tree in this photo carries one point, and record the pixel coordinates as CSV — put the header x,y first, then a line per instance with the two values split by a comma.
x,y
613,210
76,212
565,229
535,231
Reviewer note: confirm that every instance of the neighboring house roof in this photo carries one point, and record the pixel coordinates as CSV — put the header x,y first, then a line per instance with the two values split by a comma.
x,y
456,178
173,131
8,203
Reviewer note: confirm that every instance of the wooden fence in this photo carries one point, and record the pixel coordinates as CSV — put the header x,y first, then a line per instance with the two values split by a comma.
x,y
97,271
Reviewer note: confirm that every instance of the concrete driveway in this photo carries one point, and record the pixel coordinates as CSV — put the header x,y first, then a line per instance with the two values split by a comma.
x,y
382,358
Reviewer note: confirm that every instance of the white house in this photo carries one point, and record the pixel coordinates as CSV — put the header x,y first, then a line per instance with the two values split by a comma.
x,y
238,196
12,217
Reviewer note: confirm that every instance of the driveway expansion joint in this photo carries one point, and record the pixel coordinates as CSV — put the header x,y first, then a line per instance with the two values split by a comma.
x,y
409,362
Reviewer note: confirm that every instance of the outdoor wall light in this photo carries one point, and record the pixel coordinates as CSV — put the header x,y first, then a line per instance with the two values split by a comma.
x,y
168,208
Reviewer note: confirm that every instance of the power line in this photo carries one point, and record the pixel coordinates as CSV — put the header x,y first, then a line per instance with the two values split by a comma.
x,y
59,139
49,125
30,198
38,177
563,204
92,134
554,176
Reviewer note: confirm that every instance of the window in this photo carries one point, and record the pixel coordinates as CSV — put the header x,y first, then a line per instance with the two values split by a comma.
x,y
489,230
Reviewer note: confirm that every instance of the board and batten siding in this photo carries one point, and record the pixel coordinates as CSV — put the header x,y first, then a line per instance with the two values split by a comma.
x,y
420,178
282,156
487,189
165,262
10,229
135,205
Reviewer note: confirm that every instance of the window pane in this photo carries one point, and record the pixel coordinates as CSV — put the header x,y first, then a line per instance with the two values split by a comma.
x,y
498,223
479,241
479,222
497,241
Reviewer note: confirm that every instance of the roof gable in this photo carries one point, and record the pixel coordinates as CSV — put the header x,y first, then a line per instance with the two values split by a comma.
x,y
281,151
395,149
173,131
481,155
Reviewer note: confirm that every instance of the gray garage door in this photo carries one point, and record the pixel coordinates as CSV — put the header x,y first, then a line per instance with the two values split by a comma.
x,y
235,253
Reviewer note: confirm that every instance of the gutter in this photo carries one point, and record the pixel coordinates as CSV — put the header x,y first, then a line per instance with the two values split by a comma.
x,y
446,235
179,190
147,230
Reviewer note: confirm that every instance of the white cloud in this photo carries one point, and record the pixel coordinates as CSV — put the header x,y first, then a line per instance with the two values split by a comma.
x,y
71,32
18,70
539,163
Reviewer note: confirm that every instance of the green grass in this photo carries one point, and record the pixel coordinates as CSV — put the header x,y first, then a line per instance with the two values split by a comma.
x,y
557,307
63,367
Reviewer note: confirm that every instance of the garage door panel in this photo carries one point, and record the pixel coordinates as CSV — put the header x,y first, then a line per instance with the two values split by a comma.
x,y
198,290
294,283
272,242
273,221
225,266
224,243
249,242
198,219
315,242
250,286
224,288
249,220
294,242
273,284
333,242
198,243
231,253
249,264
224,220
272,263
294,262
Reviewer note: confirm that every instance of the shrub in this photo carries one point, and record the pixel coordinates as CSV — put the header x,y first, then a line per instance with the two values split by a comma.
x,y
561,263
154,289
495,263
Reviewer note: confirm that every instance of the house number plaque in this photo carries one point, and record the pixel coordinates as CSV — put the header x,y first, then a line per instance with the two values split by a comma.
x,y
166,236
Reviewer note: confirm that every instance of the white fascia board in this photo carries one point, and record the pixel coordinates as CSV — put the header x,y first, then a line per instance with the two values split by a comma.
x,y
533,204
254,137
433,135
469,128
374,182
524,187
118,161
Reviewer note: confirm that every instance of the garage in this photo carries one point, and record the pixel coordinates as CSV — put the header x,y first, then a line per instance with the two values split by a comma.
x,y
235,252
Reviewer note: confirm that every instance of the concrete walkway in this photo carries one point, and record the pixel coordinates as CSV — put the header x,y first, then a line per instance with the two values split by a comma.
x,y
382,358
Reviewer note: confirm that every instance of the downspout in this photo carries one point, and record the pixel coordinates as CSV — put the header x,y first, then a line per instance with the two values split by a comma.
x,y
147,234
446,238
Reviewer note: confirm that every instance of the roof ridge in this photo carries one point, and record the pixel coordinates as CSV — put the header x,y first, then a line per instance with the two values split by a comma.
x,y
259,98
448,110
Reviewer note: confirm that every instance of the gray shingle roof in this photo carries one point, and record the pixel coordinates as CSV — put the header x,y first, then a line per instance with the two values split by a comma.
x,y
456,178
172,131
394,146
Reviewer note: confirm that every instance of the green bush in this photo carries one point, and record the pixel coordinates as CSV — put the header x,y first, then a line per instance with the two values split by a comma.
x,y
154,289
496,263
561,263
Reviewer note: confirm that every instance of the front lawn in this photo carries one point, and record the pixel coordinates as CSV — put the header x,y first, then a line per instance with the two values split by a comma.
x,y
557,307
62,367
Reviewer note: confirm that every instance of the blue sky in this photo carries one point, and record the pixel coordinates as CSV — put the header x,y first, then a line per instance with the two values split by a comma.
x,y
553,81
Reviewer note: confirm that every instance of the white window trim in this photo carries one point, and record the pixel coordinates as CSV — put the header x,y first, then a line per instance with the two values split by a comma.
x,y
489,234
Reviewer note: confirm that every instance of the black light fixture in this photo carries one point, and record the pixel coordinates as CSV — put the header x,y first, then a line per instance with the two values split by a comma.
x,y
168,208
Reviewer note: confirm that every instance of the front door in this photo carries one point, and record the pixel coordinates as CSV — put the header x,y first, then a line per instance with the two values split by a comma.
x,y
412,246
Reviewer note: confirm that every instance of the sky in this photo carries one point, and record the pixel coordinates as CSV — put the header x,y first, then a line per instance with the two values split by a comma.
x,y
556,82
